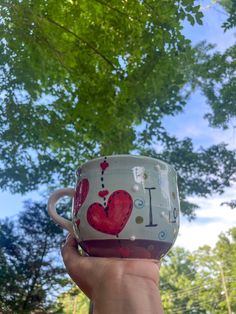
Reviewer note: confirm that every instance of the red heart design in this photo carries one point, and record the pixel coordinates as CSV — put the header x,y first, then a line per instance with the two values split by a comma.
x,y
103,193
80,194
104,165
112,218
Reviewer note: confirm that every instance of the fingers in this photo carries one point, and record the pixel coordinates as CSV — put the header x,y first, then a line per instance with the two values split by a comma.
x,y
73,260
70,250
78,267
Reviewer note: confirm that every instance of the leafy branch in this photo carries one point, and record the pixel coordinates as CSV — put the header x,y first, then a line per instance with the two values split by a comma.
x,y
81,39
118,11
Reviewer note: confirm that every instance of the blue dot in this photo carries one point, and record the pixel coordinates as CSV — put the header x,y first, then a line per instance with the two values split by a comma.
x,y
139,203
162,235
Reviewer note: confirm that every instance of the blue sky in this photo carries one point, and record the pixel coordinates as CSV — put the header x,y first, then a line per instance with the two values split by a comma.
x,y
212,218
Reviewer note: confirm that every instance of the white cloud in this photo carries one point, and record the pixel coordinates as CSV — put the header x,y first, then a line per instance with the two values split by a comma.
x,y
212,219
194,235
191,123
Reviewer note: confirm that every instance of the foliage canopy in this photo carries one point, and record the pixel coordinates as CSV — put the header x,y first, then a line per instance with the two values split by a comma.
x,y
80,79
203,281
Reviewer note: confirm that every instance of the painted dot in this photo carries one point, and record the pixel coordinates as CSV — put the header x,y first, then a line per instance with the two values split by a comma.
x,y
139,203
132,238
173,195
162,235
139,219
135,188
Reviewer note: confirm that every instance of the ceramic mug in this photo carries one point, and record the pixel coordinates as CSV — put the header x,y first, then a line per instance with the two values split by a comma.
x,y
123,206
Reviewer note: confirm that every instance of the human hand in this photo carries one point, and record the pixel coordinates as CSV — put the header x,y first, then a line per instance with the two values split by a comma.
x,y
103,279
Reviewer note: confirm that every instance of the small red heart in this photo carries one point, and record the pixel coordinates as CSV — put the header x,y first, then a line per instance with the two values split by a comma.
x,y
103,193
112,218
80,195
104,165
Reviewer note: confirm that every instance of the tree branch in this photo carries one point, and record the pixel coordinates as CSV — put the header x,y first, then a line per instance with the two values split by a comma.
x,y
81,39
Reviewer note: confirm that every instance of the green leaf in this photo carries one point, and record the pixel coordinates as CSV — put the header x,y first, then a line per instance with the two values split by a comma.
x,y
190,19
199,16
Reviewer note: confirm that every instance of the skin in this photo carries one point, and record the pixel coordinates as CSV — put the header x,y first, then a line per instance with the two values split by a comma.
x,y
115,286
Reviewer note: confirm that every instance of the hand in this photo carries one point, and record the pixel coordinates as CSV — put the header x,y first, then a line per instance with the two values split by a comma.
x,y
103,279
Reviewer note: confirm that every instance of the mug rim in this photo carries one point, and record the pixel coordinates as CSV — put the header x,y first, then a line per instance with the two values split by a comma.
x,y
117,156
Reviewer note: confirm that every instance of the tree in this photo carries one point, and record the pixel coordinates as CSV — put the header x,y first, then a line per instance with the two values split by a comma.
x,y
77,78
203,281
225,252
214,73
73,301
216,274
80,80
177,275
30,272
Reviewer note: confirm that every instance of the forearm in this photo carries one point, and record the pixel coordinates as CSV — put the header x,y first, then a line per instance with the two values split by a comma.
x,y
132,294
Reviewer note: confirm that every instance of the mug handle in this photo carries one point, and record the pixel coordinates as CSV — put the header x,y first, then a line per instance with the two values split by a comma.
x,y
56,195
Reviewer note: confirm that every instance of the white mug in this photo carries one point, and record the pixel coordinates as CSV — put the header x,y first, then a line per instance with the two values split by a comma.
x,y
123,206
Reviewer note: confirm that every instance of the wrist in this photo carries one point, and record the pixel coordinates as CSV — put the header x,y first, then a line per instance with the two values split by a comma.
x,y
127,293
